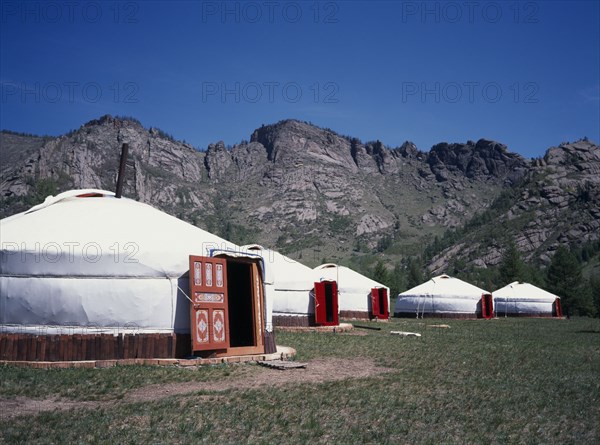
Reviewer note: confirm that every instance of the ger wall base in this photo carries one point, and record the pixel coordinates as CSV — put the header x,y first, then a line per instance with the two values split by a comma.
x,y
77,347
309,319
526,315
282,353
437,315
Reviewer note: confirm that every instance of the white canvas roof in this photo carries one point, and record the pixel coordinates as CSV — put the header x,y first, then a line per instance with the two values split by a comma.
x,y
446,285
100,237
523,298
442,294
354,289
98,262
524,291
289,283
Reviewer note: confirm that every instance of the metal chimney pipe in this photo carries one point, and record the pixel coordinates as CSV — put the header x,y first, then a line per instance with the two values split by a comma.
x,y
121,177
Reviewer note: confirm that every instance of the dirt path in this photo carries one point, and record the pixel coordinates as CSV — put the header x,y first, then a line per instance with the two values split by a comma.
x,y
319,370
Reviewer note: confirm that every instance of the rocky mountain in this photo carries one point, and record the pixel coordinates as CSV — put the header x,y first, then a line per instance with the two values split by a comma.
x,y
313,194
558,203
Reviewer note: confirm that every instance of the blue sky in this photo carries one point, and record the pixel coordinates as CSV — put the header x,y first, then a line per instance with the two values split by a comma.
x,y
522,73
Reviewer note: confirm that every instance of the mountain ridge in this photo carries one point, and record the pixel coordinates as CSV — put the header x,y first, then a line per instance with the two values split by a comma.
x,y
315,194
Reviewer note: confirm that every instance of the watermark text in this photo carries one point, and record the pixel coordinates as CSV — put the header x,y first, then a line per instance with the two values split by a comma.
x,y
68,92
469,92
69,12
270,92
270,12
427,12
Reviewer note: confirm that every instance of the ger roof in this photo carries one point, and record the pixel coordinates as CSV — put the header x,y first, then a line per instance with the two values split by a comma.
x,y
523,290
445,285
345,277
115,237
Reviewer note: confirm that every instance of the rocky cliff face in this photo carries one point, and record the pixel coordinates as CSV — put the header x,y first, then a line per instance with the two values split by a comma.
x,y
304,190
564,196
481,160
158,168
557,203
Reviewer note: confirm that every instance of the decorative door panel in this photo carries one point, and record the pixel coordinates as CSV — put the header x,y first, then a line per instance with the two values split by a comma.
x,y
201,331
218,323
208,292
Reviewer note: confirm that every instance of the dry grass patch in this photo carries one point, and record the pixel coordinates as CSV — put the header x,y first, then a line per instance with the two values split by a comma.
x,y
317,371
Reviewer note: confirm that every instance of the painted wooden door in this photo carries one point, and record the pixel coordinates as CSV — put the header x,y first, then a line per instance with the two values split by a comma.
x,y
208,291
487,306
326,303
379,305
375,303
384,309
557,309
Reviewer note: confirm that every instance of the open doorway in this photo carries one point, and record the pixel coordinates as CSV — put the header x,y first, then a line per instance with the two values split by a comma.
x,y
241,304
245,306
226,316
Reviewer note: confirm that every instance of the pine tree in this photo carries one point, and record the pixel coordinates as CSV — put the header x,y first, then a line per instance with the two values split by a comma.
x,y
594,284
565,280
398,280
415,276
512,267
380,273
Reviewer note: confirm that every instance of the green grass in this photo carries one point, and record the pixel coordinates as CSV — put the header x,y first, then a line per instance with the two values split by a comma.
x,y
103,384
501,381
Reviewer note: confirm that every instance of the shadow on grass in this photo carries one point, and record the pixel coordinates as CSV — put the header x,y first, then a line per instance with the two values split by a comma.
x,y
588,331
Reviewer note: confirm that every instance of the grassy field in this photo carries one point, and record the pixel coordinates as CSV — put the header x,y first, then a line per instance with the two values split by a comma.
x,y
528,381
